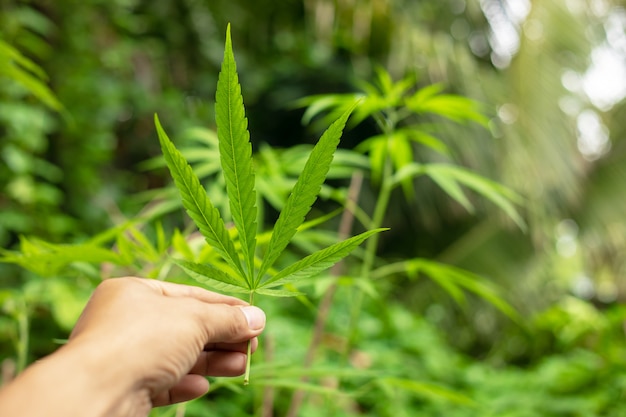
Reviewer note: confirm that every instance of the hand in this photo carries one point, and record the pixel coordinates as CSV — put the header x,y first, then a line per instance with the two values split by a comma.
x,y
146,343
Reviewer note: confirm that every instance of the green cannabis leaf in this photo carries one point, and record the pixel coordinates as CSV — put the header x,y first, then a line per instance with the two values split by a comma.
x,y
236,155
196,202
239,274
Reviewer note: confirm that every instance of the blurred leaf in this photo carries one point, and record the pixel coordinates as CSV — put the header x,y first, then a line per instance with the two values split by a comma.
x,y
424,389
47,259
28,74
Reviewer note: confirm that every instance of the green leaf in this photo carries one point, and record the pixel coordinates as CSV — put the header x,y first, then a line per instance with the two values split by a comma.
x,y
9,53
47,259
236,154
297,385
212,277
452,279
318,261
425,389
456,108
195,200
408,171
24,71
376,146
180,245
452,188
426,139
401,154
304,193
498,194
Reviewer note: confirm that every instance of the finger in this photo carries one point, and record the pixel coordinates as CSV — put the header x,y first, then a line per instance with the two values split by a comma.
x,y
188,388
228,324
231,347
220,364
223,362
171,289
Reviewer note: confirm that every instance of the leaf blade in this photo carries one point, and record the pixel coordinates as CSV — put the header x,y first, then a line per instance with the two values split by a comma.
x,y
210,276
497,193
196,202
318,261
304,192
236,154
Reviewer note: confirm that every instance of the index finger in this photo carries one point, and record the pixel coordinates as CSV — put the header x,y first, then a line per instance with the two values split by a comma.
x,y
171,289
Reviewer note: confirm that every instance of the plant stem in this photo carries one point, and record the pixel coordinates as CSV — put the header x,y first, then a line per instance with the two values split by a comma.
x,y
371,247
23,332
246,377
181,409
267,408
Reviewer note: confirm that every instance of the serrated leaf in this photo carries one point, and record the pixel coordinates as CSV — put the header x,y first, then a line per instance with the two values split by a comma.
x,y
304,193
318,261
195,200
236,154
212,277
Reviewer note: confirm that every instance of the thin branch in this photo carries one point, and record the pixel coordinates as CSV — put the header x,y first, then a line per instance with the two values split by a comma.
x,y
345,226
267,408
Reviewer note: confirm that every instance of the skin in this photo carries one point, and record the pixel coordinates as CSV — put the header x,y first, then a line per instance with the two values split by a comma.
x,y
138,344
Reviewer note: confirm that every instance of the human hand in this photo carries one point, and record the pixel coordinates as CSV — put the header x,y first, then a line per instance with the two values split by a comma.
x,y
164,338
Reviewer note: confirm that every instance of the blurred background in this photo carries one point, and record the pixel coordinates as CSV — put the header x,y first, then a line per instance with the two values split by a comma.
x,y
80,82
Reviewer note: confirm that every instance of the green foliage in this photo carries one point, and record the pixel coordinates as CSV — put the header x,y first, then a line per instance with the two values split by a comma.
x,y
21,69
394,107
420,155
29,181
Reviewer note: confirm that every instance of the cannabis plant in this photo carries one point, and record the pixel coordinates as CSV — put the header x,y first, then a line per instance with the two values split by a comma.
x,y
244,268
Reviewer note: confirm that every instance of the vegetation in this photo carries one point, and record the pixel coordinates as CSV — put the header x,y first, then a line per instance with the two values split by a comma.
x,y
481,134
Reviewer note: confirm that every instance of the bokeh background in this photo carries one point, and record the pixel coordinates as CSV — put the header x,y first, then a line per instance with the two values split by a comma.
x,y
80,82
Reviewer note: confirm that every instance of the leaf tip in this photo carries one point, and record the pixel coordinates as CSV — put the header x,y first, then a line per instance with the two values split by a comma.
x,y
228,38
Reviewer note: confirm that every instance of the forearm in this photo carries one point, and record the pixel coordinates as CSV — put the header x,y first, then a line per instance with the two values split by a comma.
x,y
74,381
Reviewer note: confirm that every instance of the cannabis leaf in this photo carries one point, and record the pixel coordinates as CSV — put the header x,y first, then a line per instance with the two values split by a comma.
x,y
239,274
196,202
236,155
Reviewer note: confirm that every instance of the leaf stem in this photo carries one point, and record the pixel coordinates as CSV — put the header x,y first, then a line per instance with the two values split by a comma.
x,y
246,377
23,341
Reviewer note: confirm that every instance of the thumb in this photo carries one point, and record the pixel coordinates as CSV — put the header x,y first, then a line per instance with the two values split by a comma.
x,y
232,324
255,317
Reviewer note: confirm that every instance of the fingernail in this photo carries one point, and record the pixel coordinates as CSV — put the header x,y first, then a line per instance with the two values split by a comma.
x,y
255,317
